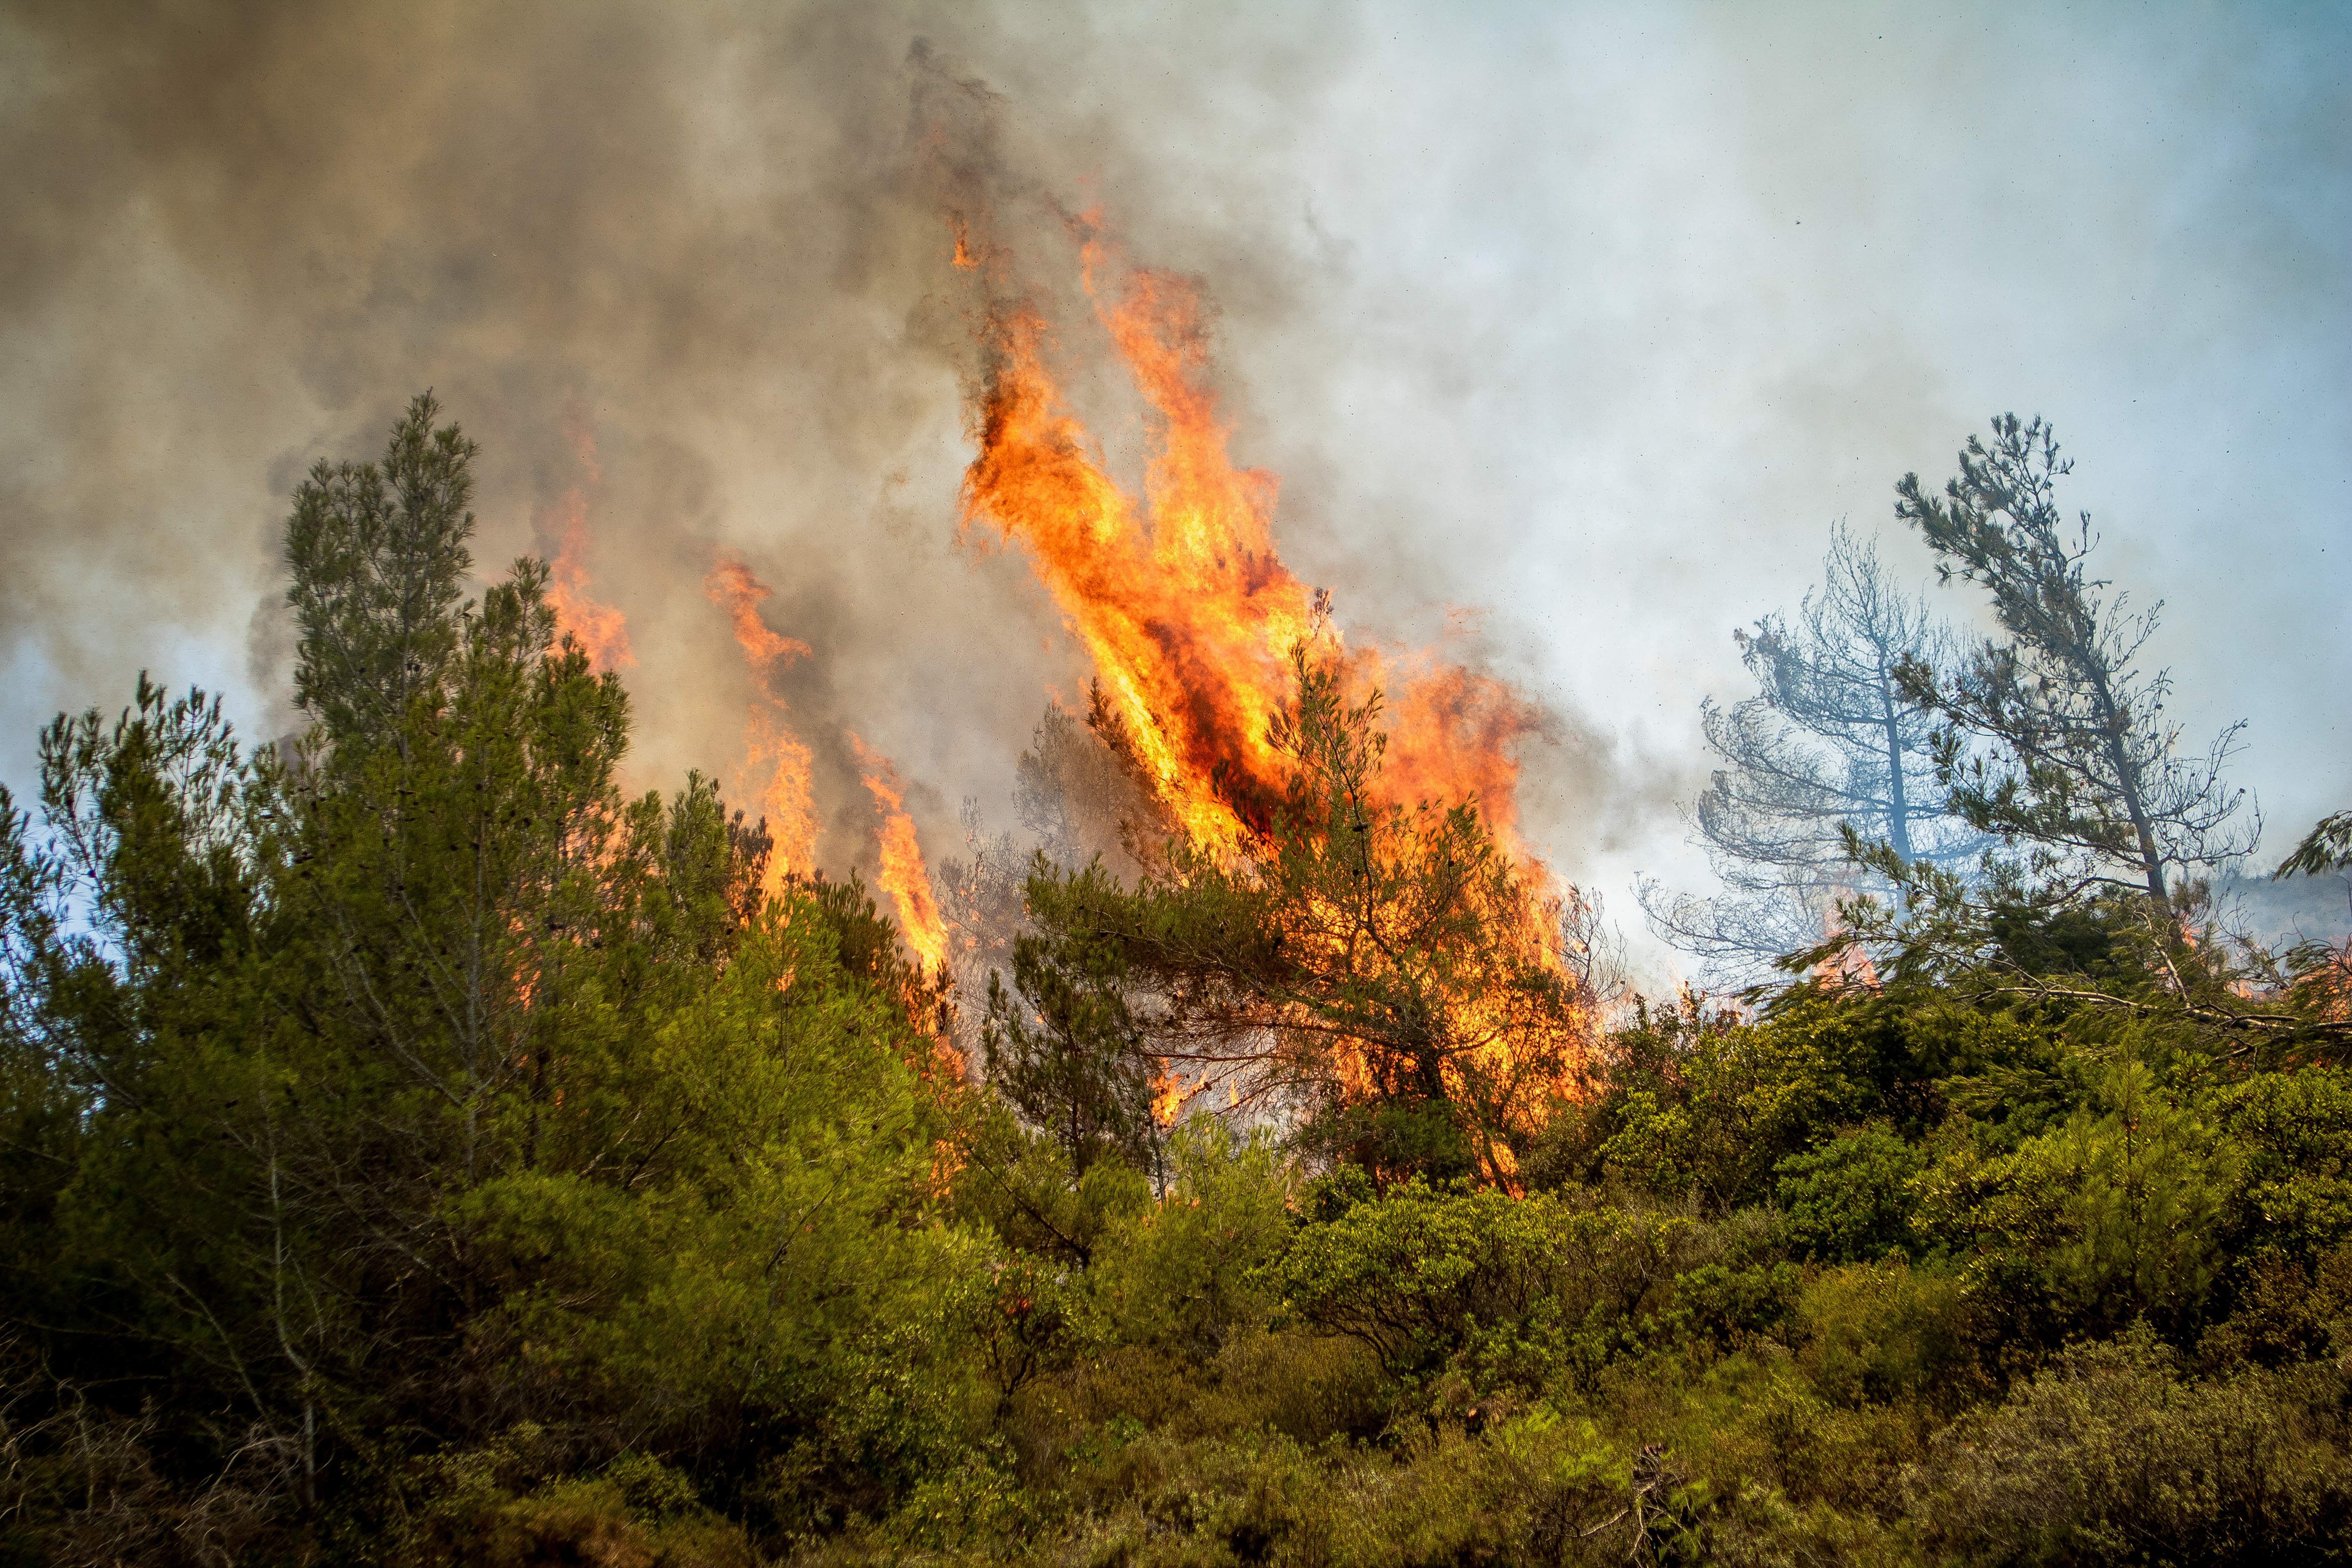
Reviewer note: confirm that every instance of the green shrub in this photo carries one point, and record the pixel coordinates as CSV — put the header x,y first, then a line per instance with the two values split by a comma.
x,y
2108,1456
2121,1211
1848,1199
1710,1118
1656,1148
1522,1289
1306,1386
2287,1311
500,1505
1180,1273
1754,1420
1876,1333
1535,1489
2295,1130
1718,1306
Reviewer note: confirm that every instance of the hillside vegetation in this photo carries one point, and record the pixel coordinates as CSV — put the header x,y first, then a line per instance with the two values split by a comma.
x,y
414,1150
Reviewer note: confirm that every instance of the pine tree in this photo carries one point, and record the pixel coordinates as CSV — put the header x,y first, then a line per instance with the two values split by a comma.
x,y
1378,967
2089,774
378,557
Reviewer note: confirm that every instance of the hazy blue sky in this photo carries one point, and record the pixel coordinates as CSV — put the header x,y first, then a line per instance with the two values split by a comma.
x,y
1591,318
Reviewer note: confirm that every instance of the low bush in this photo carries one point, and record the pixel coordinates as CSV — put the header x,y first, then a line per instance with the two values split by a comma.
x,y
1847,1199
1519,1291
1876,1333
2110,1455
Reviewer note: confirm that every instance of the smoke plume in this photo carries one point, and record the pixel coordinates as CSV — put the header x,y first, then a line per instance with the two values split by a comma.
x,y
1596,314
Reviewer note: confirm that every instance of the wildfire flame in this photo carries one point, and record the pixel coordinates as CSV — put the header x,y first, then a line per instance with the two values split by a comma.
x,y
599,628
1189,614
904,877
1851,965
1169,1095
772,749
1183,604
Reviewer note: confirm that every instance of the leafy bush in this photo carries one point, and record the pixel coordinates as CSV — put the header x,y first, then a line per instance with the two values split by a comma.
x,y
1847,1199
513,1502
2295,1130
1181,1272
2119,1211
1522,1290
2108,1456
1721,1306
1876,1333
1711,1117
2287,1311
1538,1487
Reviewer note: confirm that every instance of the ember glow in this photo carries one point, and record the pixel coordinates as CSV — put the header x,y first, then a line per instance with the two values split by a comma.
x,y
774,754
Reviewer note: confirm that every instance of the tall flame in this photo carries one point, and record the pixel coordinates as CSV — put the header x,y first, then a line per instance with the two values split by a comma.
x,y
598,627
904,876
772,749
1184,604
1189,616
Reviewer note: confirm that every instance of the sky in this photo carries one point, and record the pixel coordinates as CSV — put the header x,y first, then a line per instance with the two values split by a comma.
x,y
1571,330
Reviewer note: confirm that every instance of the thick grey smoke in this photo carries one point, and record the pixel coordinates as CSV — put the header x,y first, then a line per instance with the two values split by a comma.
x,y
1595,316
706,237
240,238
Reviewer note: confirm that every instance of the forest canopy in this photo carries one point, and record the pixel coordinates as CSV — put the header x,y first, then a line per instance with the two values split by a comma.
x,y
414,1149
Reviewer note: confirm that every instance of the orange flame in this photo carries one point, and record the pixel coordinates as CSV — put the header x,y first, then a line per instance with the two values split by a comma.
x,y
1189,614
598,627
1169,1094
1185,607
731,586
904,877
770,747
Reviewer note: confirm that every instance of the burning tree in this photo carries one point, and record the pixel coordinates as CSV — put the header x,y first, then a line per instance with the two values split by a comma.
x,y
1383,969
1340,924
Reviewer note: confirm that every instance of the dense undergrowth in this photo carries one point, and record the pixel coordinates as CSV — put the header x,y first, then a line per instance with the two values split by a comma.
x,y
412,1150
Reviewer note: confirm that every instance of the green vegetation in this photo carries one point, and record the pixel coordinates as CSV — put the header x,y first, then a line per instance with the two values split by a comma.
x,y
414,1150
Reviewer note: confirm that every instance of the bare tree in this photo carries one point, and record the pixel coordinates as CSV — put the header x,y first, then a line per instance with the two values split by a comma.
x,y
1594,949
1830,742
2088,772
